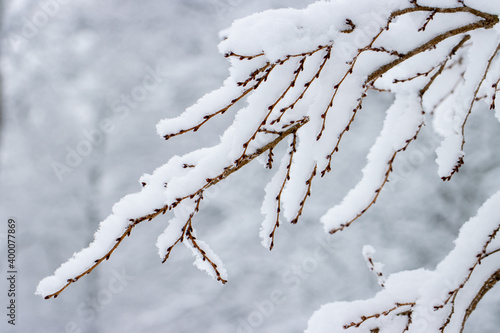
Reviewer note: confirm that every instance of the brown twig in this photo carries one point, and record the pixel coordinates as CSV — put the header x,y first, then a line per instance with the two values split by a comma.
x,y
308,84
266,69
443,64
380,314
308,193
329,157
291,153
487,286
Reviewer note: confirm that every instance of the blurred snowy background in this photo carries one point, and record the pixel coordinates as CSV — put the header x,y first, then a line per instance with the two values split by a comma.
x,y
83,85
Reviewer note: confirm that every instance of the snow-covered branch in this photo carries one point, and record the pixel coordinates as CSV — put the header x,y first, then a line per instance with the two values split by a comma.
x,y
423,300
304,75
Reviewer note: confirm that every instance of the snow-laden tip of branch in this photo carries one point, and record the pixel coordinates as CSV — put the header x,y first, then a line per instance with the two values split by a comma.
x,y
422,300
374,266
112,231
449,156
402,124
209,106
458,105
206,260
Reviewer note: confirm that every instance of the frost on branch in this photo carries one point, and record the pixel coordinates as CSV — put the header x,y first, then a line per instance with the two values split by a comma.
x,y
298,78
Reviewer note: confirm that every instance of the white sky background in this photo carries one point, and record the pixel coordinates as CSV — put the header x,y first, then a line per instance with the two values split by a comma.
x,y
62,78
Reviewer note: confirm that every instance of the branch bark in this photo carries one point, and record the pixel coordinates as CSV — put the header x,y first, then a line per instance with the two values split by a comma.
x,y
487,22
487,286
